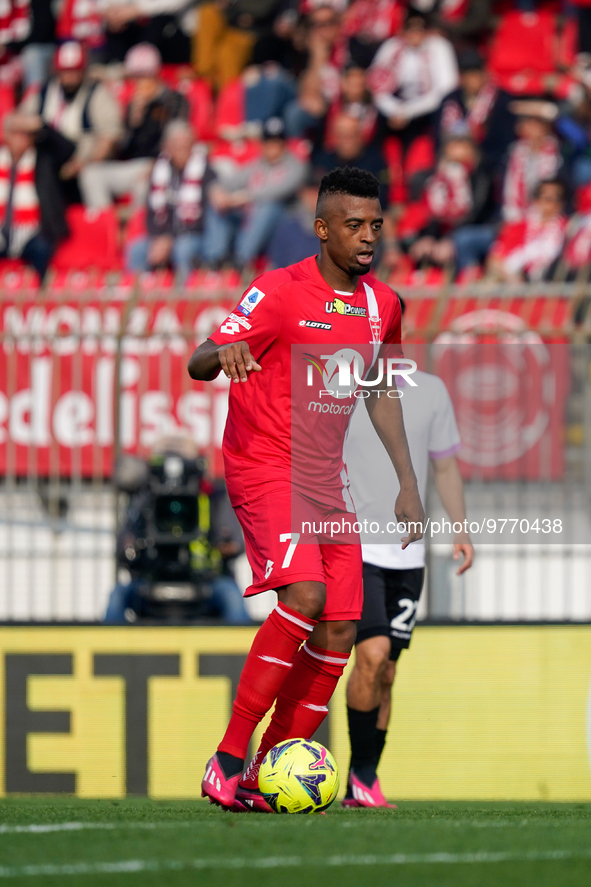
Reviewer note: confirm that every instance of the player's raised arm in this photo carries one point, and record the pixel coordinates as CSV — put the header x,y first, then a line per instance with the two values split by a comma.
x,y
234,359
386,416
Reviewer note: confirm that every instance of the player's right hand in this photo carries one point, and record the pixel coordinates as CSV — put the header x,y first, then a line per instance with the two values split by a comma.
x,y
236,361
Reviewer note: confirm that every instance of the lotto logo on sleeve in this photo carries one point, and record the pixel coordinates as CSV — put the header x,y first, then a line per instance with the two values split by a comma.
x,y
253,297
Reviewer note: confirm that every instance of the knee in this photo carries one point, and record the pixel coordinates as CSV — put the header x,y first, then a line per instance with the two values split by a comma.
x,y
307,598
372,658
388,675
341,635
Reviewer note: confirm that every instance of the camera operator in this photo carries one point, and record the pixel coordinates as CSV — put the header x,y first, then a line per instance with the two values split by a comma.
x,y
177,541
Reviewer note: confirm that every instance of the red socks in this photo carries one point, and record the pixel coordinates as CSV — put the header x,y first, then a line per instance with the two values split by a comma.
x,y
303,699
265,670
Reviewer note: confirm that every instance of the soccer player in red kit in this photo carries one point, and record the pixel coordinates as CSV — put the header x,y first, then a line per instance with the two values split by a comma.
x,y
300,652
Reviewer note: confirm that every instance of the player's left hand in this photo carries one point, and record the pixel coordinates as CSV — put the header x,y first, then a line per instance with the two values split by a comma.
x,y
466,549
409,511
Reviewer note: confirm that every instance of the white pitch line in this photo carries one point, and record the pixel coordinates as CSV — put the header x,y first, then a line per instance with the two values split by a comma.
x,y
255,821
132,866
43,828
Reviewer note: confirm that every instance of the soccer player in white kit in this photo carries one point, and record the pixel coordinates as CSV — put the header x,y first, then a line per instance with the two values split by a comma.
x,y
393,577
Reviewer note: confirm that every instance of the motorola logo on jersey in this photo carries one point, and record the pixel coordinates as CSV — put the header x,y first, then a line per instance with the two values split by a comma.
x,y
316,324
340,307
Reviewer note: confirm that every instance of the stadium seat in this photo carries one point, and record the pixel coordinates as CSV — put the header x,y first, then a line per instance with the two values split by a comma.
x,y
229,109
198,94
523,50
136,227
93,241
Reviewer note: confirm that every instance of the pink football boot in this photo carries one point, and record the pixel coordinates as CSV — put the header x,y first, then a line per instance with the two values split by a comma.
x,y
364,796
248,797
216,786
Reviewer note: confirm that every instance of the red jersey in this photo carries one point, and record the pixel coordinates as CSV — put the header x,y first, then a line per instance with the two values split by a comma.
x,y
288,422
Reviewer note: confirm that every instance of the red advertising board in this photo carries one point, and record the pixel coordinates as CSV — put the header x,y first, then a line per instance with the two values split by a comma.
x,y
76,376
509,389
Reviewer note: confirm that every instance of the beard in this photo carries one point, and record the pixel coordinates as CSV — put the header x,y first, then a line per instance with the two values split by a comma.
x,y
70,92
359,270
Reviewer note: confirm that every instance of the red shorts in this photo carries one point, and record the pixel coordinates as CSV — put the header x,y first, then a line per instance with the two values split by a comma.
x,y
282,548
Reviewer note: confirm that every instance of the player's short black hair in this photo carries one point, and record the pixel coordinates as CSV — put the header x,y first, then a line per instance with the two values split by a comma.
x,y
402,304
350,180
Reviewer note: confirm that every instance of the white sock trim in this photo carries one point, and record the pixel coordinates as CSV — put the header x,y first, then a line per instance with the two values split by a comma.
x,y
291,618
333,660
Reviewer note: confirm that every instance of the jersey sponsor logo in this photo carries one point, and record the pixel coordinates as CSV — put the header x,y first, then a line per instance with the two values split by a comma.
x,y
230,327
316,324
253,298
241,320
269,568
340,307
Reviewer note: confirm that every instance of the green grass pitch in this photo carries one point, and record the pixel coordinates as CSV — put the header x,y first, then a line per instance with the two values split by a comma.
x,y
129,843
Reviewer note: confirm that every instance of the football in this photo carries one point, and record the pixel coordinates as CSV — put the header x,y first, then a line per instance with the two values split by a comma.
x,y
299,776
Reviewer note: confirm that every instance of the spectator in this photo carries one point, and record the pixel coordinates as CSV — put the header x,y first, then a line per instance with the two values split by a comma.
x,y
151,107
355,100
294,238
528,250
30,27
32,213
81,109
81,20
249,203
463,21
319,82
176,210
482,107
226,35
350,149
459,200
535,156
410,76
367,23
167,24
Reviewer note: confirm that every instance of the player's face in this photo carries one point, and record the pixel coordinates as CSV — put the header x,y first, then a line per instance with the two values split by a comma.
x,y
351,232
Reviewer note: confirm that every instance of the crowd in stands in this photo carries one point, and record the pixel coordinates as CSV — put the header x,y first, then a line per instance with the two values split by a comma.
x,y
199,131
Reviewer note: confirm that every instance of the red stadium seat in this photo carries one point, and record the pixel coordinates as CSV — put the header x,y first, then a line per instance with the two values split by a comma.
x,y
93,241
136,227
523,49
198,94
229,109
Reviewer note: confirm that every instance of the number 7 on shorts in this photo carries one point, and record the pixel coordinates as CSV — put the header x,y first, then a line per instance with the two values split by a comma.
x,y
294,538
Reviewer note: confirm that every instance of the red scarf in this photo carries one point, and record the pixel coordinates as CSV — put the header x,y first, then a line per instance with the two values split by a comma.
x,y
26,214
15,20
189,199
384,76
476,118
542,243
373,20
81,20
449,193
524,172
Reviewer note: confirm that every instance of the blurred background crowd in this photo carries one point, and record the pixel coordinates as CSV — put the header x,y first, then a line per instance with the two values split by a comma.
x,y
192,136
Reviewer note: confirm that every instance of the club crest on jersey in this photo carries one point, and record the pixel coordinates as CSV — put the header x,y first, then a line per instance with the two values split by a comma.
x,y
253,297
316,324
340,307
